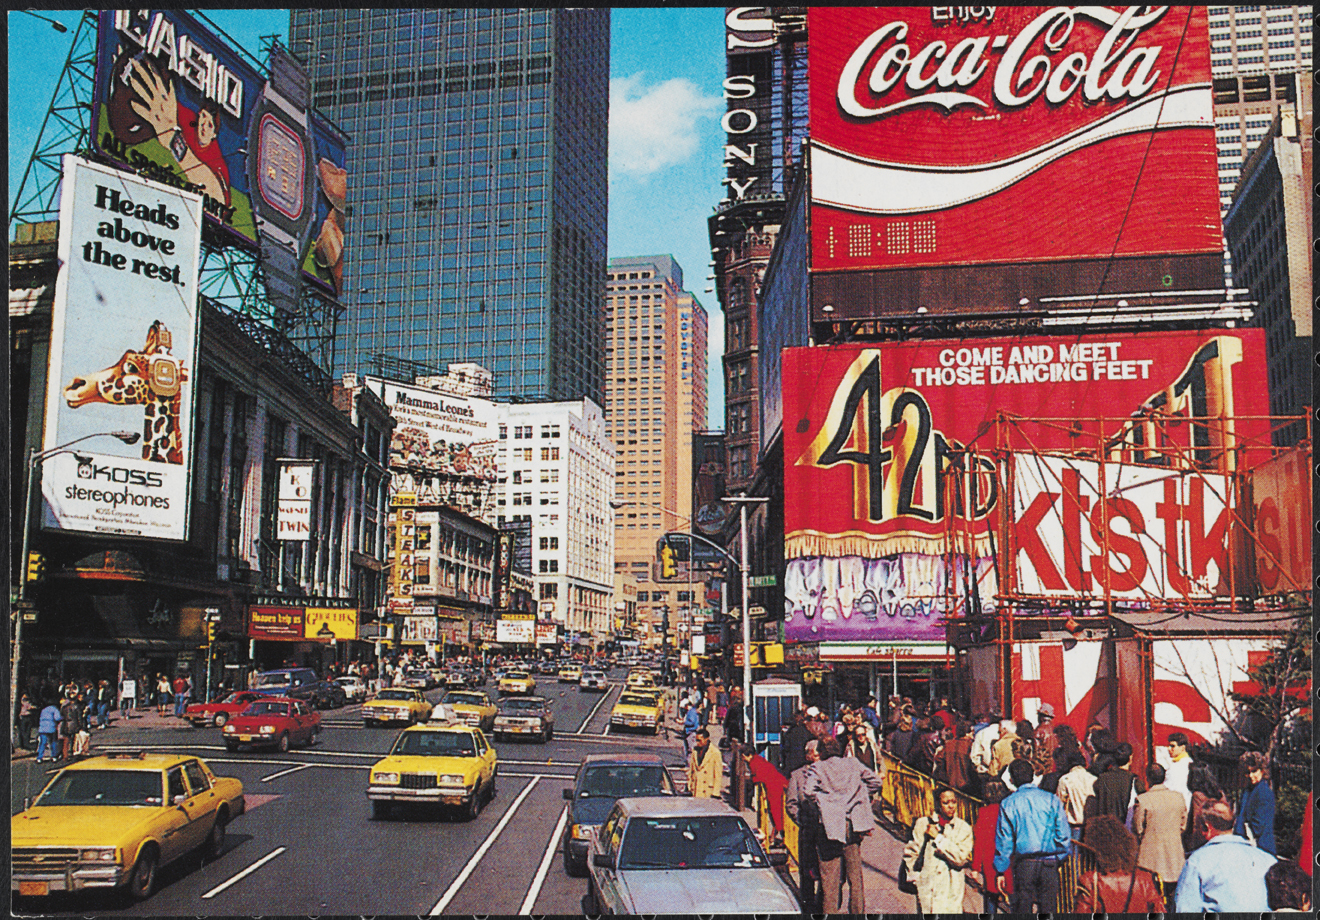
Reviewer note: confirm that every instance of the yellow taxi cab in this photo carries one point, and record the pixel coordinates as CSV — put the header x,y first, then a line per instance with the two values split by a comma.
x,y
570,674
112,821
639,677
396,704
471,707
436,763
637,710
517,682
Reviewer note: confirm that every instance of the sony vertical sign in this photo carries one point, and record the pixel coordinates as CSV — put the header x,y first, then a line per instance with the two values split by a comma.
x,y
749,36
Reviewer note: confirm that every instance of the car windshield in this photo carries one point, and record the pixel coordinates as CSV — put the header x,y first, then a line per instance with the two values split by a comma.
x,y
634,699
238,696
617,781
278,679
266,708
705,842
419,674
592,674
435,744
516,675
524,705
467,699
395,695
104,787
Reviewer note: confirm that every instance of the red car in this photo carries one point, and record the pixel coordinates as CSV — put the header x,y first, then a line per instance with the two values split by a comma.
x,y
274,721
221,711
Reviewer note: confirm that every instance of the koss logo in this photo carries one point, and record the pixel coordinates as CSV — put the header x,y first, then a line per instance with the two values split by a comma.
x,y
120,475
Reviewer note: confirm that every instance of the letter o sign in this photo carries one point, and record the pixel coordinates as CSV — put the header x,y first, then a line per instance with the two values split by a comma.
x,y
727,121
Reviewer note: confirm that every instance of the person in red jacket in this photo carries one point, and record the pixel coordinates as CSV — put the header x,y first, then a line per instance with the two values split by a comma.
x,y
983,852
763,771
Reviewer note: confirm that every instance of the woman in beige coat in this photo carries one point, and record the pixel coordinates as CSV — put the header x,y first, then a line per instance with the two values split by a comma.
x,y
947,840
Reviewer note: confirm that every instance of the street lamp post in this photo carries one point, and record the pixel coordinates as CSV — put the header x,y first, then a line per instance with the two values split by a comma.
x,y
35,459
743,501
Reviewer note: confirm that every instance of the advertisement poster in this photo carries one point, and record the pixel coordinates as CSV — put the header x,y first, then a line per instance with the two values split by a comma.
x,y
968,135
128,251
515,631
326,623
175,102
280,623
890,455
294,513
440,433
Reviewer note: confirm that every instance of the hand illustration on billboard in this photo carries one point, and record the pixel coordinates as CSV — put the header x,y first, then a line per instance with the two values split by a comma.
x,y
329,250
152,378
190,137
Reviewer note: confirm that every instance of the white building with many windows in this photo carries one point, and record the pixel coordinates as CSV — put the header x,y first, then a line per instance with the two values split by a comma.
x,y
558,466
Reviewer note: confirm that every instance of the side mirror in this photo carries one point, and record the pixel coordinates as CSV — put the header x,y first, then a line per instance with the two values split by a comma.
x,y
179,799
601,861
568,794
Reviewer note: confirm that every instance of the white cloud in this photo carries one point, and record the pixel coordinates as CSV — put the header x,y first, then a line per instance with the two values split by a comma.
x,y
655,127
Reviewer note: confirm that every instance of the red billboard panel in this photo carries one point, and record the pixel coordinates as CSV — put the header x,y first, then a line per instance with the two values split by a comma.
x,y
1281,491
956,136
888,448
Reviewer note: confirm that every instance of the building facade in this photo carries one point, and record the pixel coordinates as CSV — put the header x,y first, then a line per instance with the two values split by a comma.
x,y
477,188
558,470
656,402
1269,228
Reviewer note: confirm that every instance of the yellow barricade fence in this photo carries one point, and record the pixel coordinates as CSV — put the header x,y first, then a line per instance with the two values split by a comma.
x,y
908,794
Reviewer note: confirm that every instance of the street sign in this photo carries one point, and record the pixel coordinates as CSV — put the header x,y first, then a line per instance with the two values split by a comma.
x,y
762,581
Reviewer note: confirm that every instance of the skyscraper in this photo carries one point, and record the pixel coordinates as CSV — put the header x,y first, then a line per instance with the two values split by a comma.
x,y
477,189
656,402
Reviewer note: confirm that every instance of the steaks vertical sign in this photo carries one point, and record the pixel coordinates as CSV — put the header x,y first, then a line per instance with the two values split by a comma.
x,y
961,136
123,355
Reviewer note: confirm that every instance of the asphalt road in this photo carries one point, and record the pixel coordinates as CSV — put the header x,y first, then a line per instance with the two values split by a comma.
x,y
307,844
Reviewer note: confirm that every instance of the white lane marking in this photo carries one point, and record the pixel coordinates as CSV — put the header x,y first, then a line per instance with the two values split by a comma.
x,y
481,851
207,747
600,702
297,769
535,890
246,872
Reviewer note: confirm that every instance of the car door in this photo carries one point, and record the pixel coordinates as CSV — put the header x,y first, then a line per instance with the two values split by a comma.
x,y
177,824
304,723
202,798
605,878
486,756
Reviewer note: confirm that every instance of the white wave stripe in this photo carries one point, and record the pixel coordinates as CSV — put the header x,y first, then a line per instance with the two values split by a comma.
x,y
846,181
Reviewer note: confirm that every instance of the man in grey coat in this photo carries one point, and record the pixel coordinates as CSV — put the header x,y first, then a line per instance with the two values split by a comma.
x,y
804,813
839,786
1158,821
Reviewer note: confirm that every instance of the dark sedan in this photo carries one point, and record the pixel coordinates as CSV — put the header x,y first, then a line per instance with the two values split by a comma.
x,y
601,780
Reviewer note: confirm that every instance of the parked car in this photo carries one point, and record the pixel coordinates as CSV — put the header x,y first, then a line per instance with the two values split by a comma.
x,y
220,711
637,710
299,684
113,820
396,704
602,780
517,682
438,764
275,722
669,854
525,715
593,680
355,688
471,707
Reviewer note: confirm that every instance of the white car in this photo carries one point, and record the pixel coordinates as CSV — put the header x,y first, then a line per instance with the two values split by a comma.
x,y
593,680
355,688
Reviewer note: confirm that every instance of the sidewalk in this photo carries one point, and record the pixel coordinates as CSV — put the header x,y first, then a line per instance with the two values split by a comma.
x,y
141,719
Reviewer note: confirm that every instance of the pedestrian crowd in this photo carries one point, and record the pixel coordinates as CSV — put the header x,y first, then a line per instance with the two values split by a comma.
x,y
1163,837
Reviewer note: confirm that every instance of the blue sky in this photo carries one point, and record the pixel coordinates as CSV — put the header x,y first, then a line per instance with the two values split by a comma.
x,y
666,70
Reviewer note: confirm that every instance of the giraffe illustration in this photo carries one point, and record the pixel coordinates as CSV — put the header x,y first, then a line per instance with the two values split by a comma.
x,y
150,378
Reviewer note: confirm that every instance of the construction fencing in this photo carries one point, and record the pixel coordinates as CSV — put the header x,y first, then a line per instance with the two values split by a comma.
x,y
909,794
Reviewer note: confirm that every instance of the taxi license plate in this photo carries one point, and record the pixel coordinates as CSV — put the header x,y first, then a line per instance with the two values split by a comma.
x,y
244,737
523,729
34,889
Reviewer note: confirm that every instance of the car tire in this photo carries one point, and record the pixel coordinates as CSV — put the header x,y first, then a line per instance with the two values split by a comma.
x,y
368,723
231,747
473,808
549,733
590,904
220,719
283,743
493,790
215,841
380,811
143,879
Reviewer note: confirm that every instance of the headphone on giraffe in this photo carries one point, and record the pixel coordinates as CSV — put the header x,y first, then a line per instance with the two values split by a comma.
x,y
163,370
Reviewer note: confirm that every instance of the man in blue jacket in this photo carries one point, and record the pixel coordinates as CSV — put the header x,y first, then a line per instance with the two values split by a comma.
x,y
1226,874
1033,837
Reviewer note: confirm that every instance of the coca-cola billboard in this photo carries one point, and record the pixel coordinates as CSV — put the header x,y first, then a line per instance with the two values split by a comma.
x,y
948,137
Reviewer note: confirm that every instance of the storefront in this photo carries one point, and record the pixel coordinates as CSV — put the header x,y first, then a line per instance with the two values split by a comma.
x,y
305,632
922,671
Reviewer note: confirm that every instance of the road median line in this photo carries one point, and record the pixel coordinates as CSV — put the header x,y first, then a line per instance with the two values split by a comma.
x,y
481,851
245,873
539,880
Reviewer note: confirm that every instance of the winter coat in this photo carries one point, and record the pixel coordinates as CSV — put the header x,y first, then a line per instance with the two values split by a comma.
x,y
941,882
706,776
49,720
839,785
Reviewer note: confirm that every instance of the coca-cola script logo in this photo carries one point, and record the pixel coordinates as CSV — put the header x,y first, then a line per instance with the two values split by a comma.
x,y
1117,68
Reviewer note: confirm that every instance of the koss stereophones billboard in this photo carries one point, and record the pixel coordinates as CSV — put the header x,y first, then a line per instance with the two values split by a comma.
x,y
961,136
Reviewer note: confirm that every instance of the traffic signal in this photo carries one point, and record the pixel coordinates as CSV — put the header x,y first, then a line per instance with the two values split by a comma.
x,y
210,631
36,566
668,565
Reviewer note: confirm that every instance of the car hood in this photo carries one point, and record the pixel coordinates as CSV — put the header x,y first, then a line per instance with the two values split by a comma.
x,y
414,764
592,810
705,891
388,703
78,825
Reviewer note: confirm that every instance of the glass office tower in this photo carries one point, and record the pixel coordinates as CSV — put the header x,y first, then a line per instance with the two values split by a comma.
x,y
477,189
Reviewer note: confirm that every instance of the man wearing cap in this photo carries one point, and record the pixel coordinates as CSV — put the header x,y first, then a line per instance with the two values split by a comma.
x,y
1227,873
1044,737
